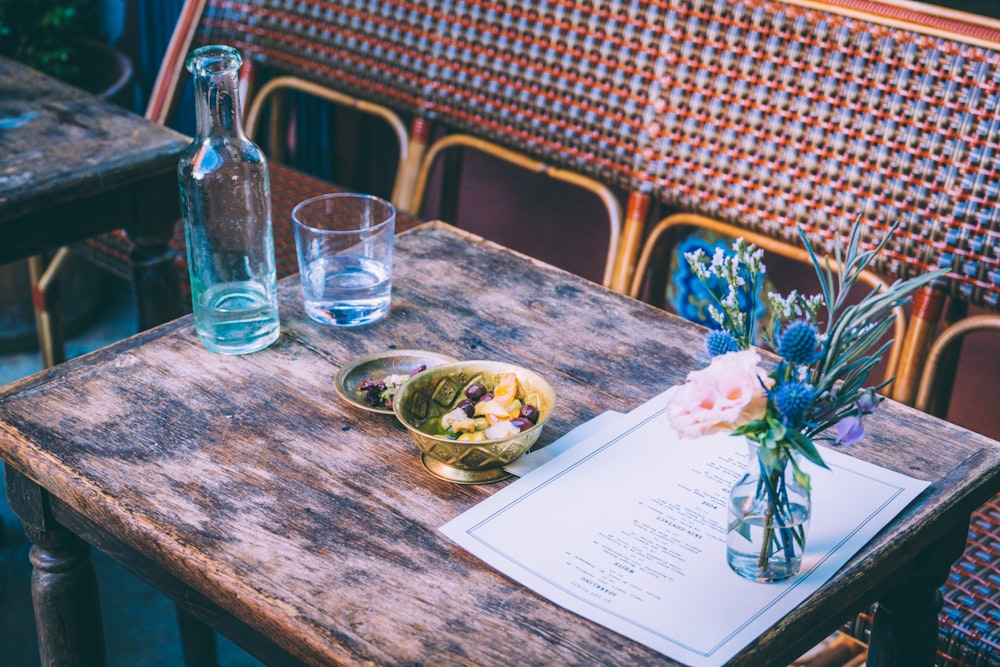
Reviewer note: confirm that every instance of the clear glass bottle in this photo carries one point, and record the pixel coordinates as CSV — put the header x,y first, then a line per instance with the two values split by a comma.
x,y
226,206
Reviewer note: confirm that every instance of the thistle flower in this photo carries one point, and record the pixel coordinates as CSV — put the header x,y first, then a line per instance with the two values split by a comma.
x,y
792,399
720,342
799,343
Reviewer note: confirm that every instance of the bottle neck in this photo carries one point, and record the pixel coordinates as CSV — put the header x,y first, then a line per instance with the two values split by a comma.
x,y
218,104
216,72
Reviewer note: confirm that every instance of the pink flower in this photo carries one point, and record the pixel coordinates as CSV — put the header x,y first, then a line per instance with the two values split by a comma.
x,y
726,394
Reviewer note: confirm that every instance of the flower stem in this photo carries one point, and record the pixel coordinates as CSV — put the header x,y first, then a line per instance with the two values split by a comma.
x,y
765,548
772,479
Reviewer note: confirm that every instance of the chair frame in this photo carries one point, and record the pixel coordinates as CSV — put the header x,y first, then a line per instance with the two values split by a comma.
x,y
286,83
931,396
464,141
674,221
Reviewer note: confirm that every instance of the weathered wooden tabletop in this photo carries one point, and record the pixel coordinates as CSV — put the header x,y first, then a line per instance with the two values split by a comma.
x,y
62,148
314,524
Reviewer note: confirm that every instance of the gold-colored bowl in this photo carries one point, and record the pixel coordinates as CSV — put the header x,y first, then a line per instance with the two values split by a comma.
x,y
436,391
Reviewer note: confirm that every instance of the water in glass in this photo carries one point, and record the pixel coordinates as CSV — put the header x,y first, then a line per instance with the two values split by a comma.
x,y
346,290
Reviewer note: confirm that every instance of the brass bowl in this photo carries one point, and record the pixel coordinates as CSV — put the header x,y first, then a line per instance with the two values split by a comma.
x,y
436,391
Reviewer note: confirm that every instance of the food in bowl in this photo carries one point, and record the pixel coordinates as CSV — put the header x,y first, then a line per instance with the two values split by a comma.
x,y
391,367
485,415
477,458
379,392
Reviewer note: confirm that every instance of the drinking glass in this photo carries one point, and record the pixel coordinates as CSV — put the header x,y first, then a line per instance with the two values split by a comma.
x,y
344,243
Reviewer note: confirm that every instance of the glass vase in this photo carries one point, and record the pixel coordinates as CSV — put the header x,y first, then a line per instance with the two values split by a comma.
x,y
769,514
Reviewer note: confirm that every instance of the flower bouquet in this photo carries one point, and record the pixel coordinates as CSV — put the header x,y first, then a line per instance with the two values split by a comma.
x,y
818,382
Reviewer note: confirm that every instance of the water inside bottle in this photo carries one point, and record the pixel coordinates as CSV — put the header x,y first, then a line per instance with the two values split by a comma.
x,y
237,318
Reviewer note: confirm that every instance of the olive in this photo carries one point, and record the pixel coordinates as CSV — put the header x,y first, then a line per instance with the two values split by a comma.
x,y
467,407
475,391
521,423
484,398
372,390
530,412
371,384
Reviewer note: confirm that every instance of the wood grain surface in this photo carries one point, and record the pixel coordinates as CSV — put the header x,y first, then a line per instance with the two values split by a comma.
x,y
313,522
71,163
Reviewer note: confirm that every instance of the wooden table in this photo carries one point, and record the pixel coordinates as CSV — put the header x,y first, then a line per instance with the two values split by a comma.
x,y
306,529
73,166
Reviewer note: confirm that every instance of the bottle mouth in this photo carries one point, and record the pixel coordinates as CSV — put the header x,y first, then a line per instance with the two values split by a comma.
x,y
213,59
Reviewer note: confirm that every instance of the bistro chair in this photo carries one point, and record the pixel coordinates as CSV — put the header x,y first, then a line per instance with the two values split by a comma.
x,y
659,252
553,89
269,75
458,142
773,116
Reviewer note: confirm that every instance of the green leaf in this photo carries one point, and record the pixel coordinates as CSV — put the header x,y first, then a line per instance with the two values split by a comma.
x,y
807,448
741,528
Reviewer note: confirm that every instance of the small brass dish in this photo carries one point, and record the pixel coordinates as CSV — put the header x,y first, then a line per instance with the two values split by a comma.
x,y
380,365
436,391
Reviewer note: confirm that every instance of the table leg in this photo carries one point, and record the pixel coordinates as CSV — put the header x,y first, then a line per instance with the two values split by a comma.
x,y
63,582
905,627
154,274
197,641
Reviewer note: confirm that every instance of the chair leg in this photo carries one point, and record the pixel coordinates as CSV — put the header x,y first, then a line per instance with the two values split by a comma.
x,y
197,641
48,315
928,305
404,191
451,177
627,252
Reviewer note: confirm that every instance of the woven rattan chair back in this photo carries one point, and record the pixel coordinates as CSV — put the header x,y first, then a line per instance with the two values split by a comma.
x,y
775,115
562,89
772,116
558,88
286,46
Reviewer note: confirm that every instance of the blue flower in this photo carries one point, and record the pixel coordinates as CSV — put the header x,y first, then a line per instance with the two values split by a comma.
x,y
799,343
720,342
850,430
792,399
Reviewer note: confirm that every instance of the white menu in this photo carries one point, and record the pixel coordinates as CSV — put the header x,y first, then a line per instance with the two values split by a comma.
x,y
627,528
